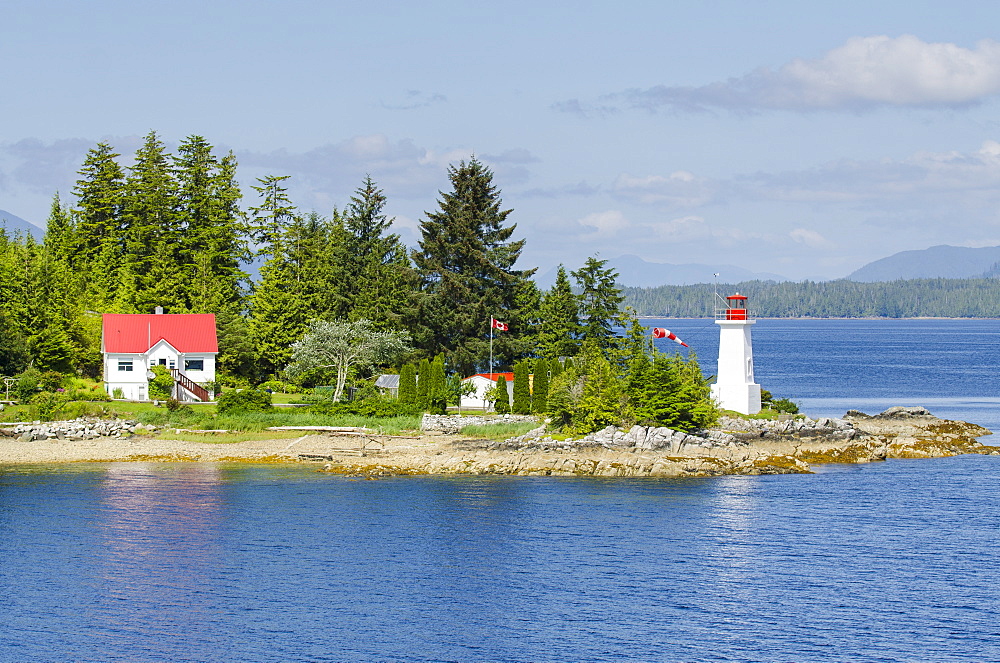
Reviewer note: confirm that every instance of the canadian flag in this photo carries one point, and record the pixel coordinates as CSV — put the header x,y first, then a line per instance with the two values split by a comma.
x,y
496,324
660,332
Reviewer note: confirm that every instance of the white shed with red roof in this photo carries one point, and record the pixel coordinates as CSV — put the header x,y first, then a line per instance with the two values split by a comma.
x,y
186,344
484,382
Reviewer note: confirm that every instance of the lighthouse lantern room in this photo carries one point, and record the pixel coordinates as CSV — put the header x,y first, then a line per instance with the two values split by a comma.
x,y
734,388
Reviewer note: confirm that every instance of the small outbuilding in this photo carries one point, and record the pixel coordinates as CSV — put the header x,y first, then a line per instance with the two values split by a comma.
x,y
186,344
484,382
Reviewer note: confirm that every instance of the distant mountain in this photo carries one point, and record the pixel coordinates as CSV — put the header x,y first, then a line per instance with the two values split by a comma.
x,y
636,272
14,224
950,262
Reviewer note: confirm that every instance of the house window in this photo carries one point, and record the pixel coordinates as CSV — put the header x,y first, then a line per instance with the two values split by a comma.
x,y
124,364
194,364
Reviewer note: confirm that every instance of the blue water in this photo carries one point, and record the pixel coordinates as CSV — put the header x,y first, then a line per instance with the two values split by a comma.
x,y
891,561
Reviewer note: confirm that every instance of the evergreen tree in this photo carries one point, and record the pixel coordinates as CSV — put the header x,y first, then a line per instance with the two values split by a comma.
x,y
100,194
675,394
437,392
278,316
269,219
13,348
589,395
540,390
152,232
380,279
599,300
465,264
214,248
423,384
236,349
408,384
318,252
500,396
58,297
522,388
99,198
559,325
525,320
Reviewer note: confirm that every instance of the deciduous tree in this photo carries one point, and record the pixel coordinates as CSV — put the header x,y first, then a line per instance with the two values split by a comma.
x,y
345,346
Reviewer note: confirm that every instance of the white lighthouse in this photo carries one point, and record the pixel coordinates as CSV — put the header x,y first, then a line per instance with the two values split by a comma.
x,y
734,388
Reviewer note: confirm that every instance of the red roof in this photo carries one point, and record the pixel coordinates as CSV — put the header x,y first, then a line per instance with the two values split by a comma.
x,y
493,376
736,296
186,332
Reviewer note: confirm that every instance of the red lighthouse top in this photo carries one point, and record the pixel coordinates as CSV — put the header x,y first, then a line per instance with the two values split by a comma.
x,y
736,307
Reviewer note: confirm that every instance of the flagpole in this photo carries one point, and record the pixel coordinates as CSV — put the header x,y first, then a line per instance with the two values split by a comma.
x,y
491,347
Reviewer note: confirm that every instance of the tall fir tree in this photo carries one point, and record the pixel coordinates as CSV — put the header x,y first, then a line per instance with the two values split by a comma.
x,y
380,275
465,265
600,299
152,231
100,195
559,325
275,212
214,246
278,316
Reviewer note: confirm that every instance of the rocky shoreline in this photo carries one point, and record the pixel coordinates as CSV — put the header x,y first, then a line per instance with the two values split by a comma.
x,y
735,446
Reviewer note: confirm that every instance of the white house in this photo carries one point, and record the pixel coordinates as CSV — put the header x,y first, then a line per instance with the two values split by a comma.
x,y
484,382
186,344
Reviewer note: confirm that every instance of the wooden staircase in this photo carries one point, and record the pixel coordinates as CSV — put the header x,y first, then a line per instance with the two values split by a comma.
x,y
190,385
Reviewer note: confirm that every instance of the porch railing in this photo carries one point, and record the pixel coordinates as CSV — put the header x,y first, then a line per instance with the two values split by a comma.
x,y
187,383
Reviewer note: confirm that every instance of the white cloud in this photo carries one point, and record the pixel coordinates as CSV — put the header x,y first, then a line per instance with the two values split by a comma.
x,y
679,189
605,224
961,178
685,228
810,238
865,72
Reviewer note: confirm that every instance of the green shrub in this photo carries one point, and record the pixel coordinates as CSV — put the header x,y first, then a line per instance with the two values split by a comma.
x,y
118,393
28,384
48,405
161,386
232,382
369,407
784,405
245,400
51,380
94,393
280,387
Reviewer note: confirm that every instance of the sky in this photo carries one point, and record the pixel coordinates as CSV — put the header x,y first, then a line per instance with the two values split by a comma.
x,y
802,139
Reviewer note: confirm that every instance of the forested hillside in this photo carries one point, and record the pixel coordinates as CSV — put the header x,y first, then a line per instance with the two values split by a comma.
x,y
943,298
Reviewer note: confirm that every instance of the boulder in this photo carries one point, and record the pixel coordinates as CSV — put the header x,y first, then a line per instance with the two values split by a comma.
x,y
901,412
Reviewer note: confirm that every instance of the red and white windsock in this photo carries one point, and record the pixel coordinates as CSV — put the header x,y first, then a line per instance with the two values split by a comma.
x,y
660,332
